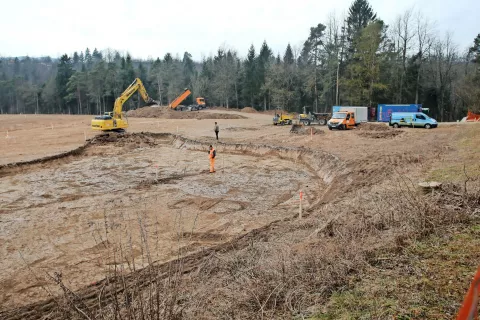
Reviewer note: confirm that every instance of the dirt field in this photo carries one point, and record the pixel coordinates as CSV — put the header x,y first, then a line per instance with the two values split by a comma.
x,y
141,199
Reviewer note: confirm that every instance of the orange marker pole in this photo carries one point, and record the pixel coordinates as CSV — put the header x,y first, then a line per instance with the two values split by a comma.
x,y
468,311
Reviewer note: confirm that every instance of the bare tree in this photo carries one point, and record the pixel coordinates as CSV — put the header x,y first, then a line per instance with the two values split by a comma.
x,y
405,34
424,43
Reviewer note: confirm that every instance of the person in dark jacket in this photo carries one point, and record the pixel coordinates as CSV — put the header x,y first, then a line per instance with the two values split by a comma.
x,y
216,128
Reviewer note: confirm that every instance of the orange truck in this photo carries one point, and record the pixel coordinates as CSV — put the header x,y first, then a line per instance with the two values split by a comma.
x,y
176,103
342,120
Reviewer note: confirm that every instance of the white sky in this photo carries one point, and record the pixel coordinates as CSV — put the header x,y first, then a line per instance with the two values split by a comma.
x,y
151,28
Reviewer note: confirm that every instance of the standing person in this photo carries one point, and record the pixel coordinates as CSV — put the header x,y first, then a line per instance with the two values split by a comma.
x,y
211,155
216,130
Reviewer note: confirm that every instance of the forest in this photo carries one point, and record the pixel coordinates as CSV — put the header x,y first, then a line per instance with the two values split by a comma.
x,y
356,60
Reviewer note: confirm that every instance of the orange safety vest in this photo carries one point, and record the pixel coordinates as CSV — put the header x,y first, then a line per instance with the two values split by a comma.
x,y
212,154
468,311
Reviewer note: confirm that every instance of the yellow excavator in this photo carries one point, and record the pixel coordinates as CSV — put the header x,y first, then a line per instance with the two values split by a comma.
x,y
116,121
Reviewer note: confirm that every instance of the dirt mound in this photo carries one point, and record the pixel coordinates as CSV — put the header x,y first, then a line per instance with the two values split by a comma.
x,y
301,129
380,134
377,131
241,129
136,140
248,110
167,113
374,127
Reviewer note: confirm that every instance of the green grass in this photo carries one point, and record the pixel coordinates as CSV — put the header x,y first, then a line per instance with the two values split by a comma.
x,y
426,281
466,153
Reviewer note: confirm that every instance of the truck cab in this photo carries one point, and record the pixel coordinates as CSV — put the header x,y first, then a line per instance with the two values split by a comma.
x,y
412,119
342,120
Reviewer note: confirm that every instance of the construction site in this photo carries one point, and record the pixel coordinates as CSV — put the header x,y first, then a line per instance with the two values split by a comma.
x,y
369,223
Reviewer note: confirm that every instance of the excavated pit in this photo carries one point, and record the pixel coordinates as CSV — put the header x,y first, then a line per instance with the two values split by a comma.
x,y
70,213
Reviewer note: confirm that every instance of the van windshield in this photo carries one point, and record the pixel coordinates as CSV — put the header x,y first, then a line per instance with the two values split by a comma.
x,y
339,115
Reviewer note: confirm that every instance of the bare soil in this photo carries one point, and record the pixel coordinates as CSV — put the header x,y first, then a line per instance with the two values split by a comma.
x,y
126,202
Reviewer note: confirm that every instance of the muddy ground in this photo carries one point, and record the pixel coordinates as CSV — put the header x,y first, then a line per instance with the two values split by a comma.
x,y
70,215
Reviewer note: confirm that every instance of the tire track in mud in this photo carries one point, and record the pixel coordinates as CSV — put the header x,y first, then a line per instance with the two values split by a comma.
x,y
328,168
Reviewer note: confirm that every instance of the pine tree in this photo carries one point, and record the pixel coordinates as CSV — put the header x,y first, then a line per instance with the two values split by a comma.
x,y
64,72
88,59
360,14
76,58
475,51
188,69
16,66
313,47
251,80
364,79
288,56
263,62
96,55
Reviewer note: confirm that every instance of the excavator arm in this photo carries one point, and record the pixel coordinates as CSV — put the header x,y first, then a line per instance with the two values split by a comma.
x,y
114,120
136,85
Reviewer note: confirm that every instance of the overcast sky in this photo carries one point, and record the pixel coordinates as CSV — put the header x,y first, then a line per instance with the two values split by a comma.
x,y
151,28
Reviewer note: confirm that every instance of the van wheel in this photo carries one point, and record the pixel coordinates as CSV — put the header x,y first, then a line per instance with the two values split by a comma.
x,y
428,126
395,125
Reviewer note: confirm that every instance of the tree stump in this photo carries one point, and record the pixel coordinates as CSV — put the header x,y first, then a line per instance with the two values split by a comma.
x,y
428,187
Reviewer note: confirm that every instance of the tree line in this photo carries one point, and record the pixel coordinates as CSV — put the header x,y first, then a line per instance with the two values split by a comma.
x,y
355,60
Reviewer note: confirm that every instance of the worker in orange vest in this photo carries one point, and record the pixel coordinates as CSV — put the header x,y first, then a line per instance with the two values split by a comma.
x,y
211,155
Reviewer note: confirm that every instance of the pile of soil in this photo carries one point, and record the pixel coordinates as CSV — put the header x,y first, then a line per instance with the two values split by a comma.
x,y
301,129
241,129
167,113
249,110
374,127
137,140
377,131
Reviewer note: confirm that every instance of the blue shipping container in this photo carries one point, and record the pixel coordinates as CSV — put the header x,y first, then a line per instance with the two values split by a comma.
x,y
385,110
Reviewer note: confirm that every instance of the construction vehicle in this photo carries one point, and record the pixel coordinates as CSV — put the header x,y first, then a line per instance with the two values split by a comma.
x,y
176,102
282,119
313,118
342,120
115,120
201,103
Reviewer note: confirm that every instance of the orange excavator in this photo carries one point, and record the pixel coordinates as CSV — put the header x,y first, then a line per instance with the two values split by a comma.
x,y
176,102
